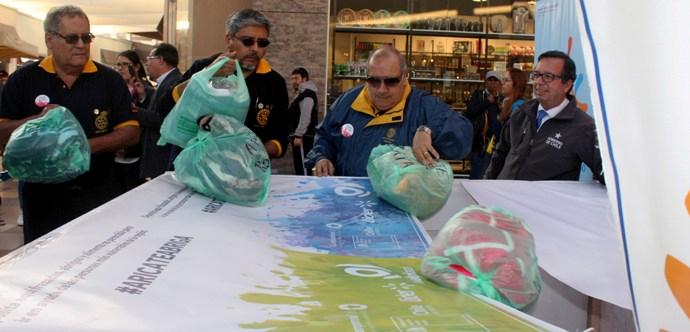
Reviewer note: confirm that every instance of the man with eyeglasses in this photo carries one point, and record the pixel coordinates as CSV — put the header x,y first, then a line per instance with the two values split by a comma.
x,y
161,64
548,138
96,95
247,38
386,110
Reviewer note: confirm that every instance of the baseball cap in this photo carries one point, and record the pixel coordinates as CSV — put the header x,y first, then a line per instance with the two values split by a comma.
x,y
493,74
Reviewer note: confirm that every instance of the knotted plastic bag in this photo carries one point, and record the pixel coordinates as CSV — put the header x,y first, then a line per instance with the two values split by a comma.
x,y
401,180
486,251
49,149
206,95
228,163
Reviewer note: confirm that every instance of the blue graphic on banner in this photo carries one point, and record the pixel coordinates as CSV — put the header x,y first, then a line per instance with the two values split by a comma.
x,y
557,29
343,217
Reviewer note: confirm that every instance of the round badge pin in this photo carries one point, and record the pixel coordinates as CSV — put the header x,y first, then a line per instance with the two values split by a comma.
x,y
347,130
42,100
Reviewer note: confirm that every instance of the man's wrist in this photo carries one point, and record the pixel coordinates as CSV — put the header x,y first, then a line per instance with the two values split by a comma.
x,y
424,129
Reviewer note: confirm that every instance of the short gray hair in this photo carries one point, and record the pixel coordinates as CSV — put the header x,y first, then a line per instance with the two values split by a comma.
x,y
245,18
55,14
386,51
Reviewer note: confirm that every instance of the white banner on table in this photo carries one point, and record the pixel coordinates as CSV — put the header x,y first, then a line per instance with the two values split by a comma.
x,y
576,239
162,258
637,58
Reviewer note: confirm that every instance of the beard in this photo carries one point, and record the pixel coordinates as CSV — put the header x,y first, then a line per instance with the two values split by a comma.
x,y
250,67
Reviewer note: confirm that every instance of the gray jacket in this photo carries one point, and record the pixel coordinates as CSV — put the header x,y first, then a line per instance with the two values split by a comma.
x,y
555,152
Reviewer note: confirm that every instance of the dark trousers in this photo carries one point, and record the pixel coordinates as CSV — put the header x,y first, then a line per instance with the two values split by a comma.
x,y
479,164
297,153
49,206
127,175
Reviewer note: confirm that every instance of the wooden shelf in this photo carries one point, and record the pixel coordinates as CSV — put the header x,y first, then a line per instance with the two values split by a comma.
x,y
381,30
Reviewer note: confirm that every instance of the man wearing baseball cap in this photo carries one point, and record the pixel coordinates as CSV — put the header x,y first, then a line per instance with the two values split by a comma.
x,y
483,111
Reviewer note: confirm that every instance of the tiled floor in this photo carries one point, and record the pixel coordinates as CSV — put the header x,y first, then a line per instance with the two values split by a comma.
x,y
11,236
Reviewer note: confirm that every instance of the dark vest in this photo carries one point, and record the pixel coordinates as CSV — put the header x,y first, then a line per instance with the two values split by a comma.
x,y
294,112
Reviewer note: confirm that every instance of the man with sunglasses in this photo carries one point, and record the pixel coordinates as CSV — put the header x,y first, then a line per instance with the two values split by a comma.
x,y
96,95
247,38
548,138
386,110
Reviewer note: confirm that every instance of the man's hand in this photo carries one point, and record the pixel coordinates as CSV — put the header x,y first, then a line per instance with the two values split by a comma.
x,y
297,142
423,150
229,67
324,167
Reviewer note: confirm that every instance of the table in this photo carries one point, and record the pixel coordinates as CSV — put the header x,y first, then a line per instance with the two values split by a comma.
x,y
164,258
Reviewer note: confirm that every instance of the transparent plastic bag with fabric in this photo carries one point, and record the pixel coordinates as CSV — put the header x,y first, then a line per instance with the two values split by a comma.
x,y
404,182
228,163
206,95
49,149
486,251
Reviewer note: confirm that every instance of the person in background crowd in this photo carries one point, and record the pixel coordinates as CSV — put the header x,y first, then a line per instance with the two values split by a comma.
x,y
131,68
247,39
303,113
386,110
548,138
127,161
98,98
162,67
483,110
3,79
513,91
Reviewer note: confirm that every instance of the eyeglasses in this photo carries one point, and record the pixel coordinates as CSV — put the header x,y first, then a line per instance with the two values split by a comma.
x,y
151,57
547,77
123,64
73,38
249,41
390,82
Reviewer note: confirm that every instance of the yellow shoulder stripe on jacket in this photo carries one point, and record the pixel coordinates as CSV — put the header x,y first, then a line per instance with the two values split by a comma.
x,y
48,65
393,115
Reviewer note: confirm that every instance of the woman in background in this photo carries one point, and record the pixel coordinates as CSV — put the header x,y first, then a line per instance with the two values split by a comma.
x,y
513,90
130,67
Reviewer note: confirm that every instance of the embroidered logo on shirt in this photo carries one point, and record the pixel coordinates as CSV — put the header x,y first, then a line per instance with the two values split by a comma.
x,y
554,141
101,121
263,113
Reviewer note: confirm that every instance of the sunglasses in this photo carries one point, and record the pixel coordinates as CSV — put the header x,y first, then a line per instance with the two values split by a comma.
x,y
390,82
73,38
249,41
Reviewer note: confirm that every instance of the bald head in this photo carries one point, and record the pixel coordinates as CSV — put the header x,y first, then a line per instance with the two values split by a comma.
x,y
388,53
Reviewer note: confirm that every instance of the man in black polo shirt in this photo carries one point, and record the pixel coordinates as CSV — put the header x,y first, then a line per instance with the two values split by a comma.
x,y
247,39
98,98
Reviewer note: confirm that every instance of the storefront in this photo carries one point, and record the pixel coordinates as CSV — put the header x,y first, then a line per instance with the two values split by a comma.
x,y
449,45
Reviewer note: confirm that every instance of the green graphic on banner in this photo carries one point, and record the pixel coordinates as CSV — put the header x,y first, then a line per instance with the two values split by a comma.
x,y
346,293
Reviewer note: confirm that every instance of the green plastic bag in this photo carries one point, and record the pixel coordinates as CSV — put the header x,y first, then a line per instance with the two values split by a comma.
x,y
401,180
49,149
486,251
228,163
206,95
